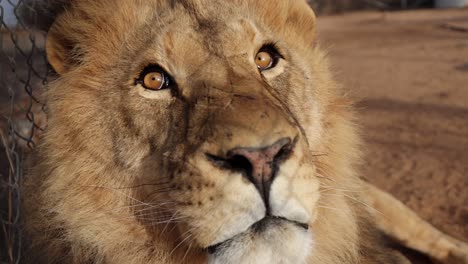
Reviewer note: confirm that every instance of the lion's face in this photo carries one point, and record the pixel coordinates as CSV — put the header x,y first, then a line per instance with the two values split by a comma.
x,y
210,113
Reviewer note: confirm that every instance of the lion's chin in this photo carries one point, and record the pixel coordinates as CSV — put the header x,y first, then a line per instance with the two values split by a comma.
x,y
272,240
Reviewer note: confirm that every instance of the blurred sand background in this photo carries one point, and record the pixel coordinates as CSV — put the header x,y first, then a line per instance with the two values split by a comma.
x,y
409,71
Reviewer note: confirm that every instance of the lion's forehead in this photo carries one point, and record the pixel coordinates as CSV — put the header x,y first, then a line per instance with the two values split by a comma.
x,y
189,54
213,25
192,44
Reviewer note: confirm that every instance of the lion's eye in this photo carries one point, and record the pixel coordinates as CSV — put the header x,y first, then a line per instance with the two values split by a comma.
x,y
267,57
154,78
264,60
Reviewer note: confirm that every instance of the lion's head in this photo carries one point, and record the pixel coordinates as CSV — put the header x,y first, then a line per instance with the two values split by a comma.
x,y
196,128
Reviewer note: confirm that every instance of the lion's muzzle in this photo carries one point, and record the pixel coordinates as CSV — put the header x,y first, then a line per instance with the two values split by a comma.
x,y
258,164
246,171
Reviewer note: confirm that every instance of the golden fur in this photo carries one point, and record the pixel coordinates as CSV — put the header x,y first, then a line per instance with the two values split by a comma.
x,y
122,175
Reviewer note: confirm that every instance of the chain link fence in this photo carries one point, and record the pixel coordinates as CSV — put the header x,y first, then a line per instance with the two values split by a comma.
x,y
23,71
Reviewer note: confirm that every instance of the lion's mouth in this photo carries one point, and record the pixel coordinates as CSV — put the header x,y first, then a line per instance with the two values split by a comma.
x,y
258,227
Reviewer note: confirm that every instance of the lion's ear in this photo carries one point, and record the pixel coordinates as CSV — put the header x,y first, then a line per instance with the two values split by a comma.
x,y
59,50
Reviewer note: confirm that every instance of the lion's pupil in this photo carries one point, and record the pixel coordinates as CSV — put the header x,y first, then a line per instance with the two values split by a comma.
x,y
154,80
264,60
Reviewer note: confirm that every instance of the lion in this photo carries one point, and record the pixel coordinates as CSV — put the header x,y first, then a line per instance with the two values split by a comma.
x,y
197,131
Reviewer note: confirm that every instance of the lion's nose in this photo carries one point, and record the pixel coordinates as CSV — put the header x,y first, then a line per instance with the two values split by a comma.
x,y
259,165
262,163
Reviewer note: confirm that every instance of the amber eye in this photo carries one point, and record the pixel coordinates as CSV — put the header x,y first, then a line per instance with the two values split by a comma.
x,y
267,57
154,78
264,60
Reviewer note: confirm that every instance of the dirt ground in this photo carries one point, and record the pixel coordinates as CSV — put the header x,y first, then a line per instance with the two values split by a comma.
x,y
409,71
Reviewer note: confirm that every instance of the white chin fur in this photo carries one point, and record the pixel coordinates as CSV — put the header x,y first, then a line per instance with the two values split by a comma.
x,y
277,243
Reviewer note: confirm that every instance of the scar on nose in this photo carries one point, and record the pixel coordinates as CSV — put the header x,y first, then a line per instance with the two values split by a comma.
x,y
264,115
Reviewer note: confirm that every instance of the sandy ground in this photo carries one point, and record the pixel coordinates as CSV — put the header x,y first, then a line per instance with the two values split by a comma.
x,y
410,72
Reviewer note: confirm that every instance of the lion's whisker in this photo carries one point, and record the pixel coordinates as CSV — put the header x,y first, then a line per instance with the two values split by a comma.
x,y
186,252
181,242
338,189
167,224
146,207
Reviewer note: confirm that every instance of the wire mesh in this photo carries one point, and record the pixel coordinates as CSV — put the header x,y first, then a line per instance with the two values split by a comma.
x,y
24,71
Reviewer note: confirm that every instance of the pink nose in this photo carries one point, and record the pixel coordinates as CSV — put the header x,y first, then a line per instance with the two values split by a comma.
x,y
260,164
